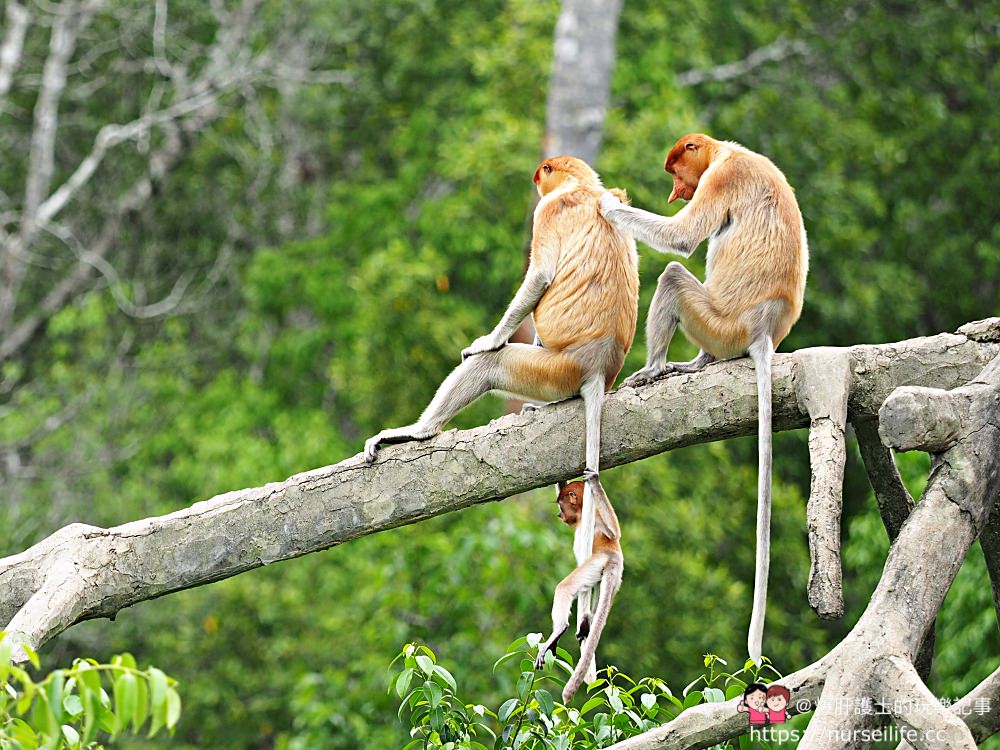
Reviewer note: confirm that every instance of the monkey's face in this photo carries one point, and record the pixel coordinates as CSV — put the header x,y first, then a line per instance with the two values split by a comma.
x,y
686,162
569,501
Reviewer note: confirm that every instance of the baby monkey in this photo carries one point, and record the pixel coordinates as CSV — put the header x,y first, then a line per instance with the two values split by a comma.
x,y
604,566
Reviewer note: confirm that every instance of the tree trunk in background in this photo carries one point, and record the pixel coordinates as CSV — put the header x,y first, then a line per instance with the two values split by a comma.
x,y
583,58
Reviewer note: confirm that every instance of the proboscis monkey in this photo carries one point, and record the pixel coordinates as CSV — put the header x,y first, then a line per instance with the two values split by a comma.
x,y
604,567
755,278
582,287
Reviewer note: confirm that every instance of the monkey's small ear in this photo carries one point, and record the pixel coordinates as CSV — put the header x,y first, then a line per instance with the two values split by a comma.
x,y
690,147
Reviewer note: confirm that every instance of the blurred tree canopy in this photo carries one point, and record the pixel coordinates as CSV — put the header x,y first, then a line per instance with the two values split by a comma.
x,y
345,236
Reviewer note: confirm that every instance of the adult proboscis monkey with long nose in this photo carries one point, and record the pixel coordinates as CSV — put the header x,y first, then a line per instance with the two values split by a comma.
x,y
755,279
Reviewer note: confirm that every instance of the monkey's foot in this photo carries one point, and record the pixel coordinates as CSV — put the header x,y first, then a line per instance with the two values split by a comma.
x,y
651,373
398,435
591,476
528,406
646,375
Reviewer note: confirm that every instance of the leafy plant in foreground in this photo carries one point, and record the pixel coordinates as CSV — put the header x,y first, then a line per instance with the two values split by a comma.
x,y
70,707
616,706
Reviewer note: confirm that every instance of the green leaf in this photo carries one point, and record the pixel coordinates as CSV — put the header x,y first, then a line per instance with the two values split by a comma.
x,y
32,655
73,705
71,736
648,701
734,690
403,682
6,652
425,664
445,675
157,688
437,719
590,705
22,733
714,695
126,696
173,708
54,693
141,704
506,658
434,693
89,677
125,660
524,685
91,713
693,699
506,710
545,702
24,702
691,685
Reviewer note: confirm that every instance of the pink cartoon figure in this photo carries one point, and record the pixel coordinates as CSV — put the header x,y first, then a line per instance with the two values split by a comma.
x,y
777,703
754,703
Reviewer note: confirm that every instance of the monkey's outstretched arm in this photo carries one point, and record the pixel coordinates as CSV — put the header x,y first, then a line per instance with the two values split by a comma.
x,y
607,521
536,281
678,234
541,271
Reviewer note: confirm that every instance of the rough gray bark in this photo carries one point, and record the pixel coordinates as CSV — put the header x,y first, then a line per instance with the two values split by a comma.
x,y
824,390
894,501
83,572
875,661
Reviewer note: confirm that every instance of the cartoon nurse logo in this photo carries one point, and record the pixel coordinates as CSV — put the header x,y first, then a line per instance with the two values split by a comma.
x,y
777,703
765,705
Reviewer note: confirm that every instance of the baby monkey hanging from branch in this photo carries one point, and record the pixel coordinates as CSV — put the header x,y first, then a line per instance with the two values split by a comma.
x,y
603,567
582,288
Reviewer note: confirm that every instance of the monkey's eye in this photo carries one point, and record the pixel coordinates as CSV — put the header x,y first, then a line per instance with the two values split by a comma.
x,y
547,169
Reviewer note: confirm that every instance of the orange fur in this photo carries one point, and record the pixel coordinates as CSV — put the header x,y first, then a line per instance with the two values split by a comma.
x,y
603,566
607,534
594,294
582,286
761,256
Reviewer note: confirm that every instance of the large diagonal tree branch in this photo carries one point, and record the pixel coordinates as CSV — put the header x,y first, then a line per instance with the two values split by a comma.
x,y
85,572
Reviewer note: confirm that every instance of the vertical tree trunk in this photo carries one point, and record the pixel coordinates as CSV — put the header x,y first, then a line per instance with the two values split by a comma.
x,y
583,58
582,62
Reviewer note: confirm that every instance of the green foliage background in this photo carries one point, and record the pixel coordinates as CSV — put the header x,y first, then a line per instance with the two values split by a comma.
x,y
886,126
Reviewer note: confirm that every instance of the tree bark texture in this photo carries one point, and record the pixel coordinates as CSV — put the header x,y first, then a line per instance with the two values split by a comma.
x,y
82,572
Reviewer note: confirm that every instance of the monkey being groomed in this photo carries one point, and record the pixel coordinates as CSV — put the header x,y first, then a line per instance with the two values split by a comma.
x,y
604,567
755,279
582,288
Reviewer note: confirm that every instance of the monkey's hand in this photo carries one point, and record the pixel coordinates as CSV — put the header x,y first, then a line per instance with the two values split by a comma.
x,y
487,343
610,202
540,659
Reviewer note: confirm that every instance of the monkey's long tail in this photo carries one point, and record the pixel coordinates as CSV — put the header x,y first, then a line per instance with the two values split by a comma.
x,y
761,353
610,583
